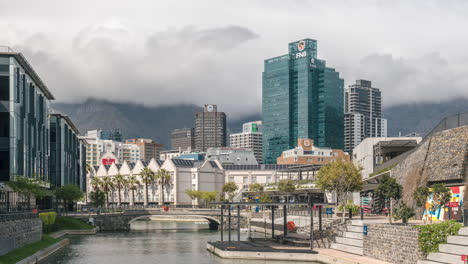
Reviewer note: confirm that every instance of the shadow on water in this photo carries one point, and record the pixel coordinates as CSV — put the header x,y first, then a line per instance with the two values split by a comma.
x,y
164,242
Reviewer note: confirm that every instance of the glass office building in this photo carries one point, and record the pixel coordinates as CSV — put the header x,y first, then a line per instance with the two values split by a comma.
x,y
67,160
302,98
24,128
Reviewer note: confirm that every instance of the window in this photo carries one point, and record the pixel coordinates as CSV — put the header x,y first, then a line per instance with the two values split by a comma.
x,y
268,179
4,88
194,176
245,179
4,124
231,178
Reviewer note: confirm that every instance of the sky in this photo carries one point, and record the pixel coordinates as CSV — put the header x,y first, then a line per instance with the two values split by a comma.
x,y
186,51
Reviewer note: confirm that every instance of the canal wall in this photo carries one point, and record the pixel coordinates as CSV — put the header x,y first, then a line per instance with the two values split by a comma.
x,y
18,233
392,243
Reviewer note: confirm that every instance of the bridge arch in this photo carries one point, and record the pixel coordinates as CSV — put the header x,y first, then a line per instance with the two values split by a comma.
x,y
213,222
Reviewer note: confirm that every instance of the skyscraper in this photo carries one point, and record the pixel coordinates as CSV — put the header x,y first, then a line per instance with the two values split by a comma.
x,y
210,128
183,139
363,114
302,98
250,138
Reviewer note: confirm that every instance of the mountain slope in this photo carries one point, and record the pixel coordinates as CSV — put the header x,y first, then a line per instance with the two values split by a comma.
x,y
157,122
421,117
138,120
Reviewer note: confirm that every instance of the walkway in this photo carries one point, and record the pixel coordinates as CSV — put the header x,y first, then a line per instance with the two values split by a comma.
x,y
267,249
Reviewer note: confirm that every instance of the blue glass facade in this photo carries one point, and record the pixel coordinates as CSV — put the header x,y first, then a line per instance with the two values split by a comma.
x,y
24,128
302,98
67,160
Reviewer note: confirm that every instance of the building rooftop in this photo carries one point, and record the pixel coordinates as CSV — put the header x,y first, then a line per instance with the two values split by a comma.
x,y
5,50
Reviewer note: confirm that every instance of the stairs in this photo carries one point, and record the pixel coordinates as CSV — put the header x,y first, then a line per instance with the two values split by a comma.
x,y
451,252
351,240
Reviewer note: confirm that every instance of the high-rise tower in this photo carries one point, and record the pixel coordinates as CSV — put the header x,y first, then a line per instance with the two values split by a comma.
x,y
302,98
363,114
210,128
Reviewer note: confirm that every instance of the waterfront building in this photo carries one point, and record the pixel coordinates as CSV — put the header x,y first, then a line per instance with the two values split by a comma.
x,y
24,127
363,114
210,128
373,151
183,139
302,98
185,175
148,148
233,156
67,158
250,138
307,153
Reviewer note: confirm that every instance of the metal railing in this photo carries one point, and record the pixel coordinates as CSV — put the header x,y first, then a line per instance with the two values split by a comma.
x,y
17,216
5,49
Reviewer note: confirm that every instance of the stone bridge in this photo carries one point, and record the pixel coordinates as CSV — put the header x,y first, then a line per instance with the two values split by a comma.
x,y
122,221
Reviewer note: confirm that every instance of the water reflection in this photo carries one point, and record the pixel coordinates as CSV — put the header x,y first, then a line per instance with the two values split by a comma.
x,y
150,242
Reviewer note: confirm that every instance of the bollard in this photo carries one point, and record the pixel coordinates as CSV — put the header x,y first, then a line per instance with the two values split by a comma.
x,y
350,213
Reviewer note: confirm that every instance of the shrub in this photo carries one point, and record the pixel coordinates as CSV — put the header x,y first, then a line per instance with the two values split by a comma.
x,y
434,234
354,208
48,220
404,213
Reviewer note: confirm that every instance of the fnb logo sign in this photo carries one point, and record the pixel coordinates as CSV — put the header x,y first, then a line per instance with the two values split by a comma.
x,y
301,54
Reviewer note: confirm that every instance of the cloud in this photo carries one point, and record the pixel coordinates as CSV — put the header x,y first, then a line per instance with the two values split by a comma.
x,y
426,78
163,52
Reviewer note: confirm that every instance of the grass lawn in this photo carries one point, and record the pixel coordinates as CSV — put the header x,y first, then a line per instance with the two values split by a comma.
x,y
26,251
69,223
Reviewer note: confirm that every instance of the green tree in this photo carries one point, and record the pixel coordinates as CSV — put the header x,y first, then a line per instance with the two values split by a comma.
x,y
389,190
341,177
286,186
209,197
441,194
29,187
420,196
119,183
133,183
256,187
230,188
96,183
164,180
404,213
97,198
193,194
107,186
265,198
68,193
147,176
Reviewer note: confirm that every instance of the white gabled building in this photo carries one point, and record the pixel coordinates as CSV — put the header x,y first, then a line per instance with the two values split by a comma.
x,y
185,175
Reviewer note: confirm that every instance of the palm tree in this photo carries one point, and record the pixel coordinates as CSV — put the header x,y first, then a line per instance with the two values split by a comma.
x,y
96,183
133,183
147,176
107,186
164,178
119,183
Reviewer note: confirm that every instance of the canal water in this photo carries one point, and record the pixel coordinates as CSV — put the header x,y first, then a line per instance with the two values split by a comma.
x,y
148,242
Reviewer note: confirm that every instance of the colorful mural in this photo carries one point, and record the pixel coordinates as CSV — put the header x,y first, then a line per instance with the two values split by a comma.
x,y
455,203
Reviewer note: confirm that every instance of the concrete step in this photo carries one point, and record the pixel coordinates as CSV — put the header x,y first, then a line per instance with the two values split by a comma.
x,y
347,248
353,235
350,241
428,262
463,231
356,222
457,240
445,258
453,249
357,229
